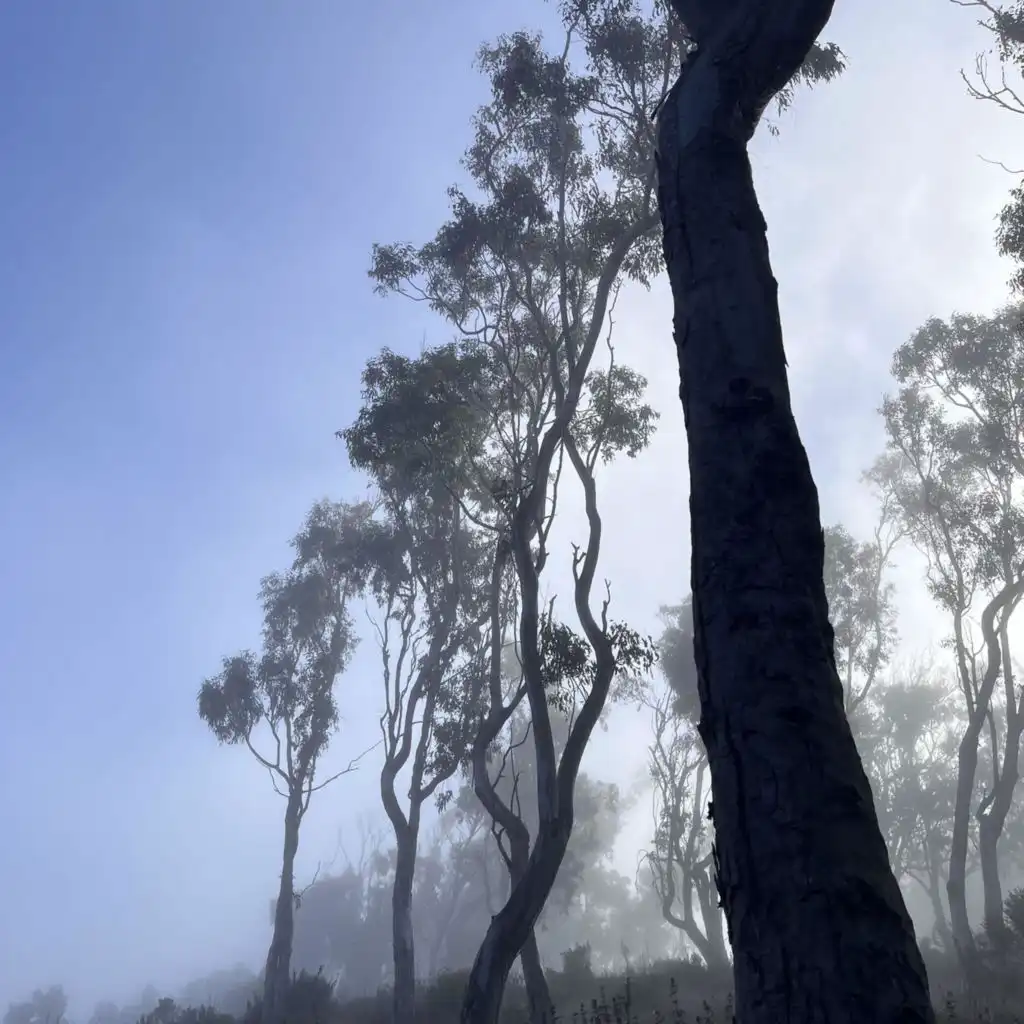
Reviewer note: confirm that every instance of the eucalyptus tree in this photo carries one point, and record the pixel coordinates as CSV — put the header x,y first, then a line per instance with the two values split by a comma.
x,y
429,585
815,915
287,691
562,210
861,603
908,736
955,465
682,856
1005,23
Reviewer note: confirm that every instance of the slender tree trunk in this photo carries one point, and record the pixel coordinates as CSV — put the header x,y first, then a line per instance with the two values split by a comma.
x,y
538,995
935,895
403,945
714,951
277,975
815,916
967,770
956,883
992,890
993,821
511,927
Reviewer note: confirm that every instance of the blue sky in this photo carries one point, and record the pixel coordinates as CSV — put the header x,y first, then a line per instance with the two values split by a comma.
x,y
188,195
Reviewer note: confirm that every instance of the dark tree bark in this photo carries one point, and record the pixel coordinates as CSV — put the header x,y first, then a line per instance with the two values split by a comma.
x,y
403,1001
511,928
995,810
818,925
277,974
979,700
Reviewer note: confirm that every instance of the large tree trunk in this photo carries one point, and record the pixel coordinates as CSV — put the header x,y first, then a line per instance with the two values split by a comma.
x,y
277,975
815,915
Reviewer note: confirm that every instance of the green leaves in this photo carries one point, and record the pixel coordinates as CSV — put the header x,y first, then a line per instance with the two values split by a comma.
x,y
424,421
308,638
676,658
616,420
229,703
861,609
957,430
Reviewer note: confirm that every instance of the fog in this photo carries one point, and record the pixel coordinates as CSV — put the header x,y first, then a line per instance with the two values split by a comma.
x,y
190,196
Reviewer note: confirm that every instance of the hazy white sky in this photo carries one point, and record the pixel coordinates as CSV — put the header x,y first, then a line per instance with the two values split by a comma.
x,y
190,195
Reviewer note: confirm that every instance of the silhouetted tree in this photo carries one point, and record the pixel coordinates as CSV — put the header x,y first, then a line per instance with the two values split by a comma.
x,y
815,915
563,174
681,860
955,467
288,691
45,1006
861,604
430,588
908,736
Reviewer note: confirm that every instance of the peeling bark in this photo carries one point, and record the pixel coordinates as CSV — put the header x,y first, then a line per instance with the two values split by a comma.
x,y
817,922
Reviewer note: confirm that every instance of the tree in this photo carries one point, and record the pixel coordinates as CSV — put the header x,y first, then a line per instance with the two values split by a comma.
x,y
1006,25
562,169
288,690
681,860
815,915
860,604
46,1006
529,294
955,470
908,739
430,589
343,921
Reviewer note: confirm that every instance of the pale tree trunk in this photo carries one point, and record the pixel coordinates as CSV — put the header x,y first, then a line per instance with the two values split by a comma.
x,y
277,975
817,922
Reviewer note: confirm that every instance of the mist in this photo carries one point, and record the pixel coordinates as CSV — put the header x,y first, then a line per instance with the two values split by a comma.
x,y
192,194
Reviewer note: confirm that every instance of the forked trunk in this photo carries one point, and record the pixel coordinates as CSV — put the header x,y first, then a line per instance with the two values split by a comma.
x,y
277,975
817,922
510,929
